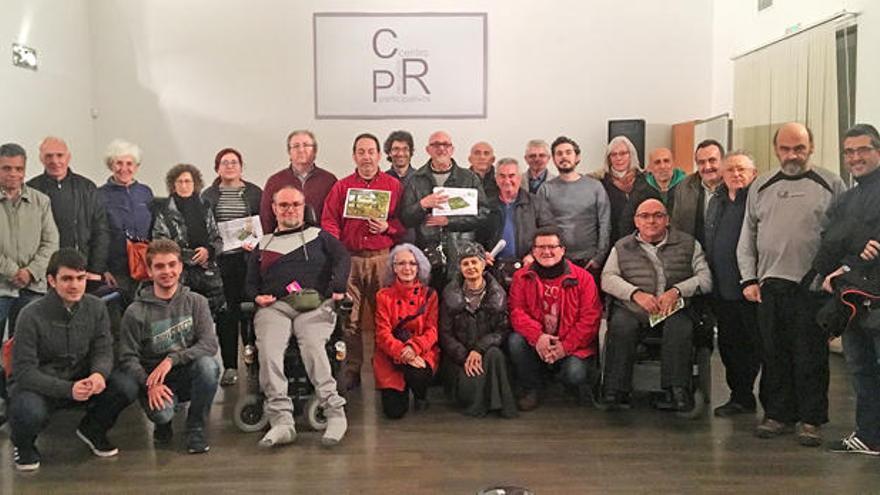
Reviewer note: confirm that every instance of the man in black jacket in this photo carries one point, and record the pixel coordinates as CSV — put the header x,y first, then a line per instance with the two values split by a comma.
x,y
852,242
76,206
441,236
62,356
739,341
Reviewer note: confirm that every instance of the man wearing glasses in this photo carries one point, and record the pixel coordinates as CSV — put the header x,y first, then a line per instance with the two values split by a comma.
x,y
302,173
294,257
440,236
537,157
785,215
650,273
555,312
852,243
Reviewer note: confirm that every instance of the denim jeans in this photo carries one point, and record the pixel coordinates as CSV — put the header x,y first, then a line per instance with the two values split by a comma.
x,y
195,382
861,346
530,369
10,306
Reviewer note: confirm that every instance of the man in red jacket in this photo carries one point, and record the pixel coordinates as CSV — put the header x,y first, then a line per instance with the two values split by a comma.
x,y
555,313
302,173
361,211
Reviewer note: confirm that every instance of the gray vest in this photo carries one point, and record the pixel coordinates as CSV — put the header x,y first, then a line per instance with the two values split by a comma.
x,y
676,255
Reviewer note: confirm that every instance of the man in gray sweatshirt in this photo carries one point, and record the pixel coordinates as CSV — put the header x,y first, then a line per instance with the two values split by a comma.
x,y
167,349
581,209
62,356
781,233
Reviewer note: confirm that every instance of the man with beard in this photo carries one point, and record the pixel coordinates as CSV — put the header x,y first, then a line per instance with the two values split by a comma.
x,y
785,210
581,208
399,149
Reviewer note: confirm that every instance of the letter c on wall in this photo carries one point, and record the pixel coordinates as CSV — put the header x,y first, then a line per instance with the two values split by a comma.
x,y
376,46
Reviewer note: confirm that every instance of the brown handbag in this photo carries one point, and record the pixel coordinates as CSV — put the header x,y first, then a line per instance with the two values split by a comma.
x,y
137,259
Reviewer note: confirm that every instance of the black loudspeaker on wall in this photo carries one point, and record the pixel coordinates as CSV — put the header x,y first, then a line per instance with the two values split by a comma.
x,y
634,129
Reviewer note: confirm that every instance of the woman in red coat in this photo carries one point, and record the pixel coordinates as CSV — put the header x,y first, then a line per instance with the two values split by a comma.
x,y
407,352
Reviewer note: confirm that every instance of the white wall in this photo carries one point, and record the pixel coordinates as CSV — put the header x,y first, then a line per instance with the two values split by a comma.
x,y
739,27
184,79
55,99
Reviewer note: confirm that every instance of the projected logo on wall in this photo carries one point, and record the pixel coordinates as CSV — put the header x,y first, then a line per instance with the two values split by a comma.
x,y
376,66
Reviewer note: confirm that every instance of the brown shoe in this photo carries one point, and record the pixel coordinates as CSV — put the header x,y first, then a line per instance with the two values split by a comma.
x,y
770,428
528,401
809,435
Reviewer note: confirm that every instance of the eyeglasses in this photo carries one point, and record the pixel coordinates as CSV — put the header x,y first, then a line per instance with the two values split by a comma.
x,y
290,206
615,154
301,146
230,163
405,263
647,216
546,247
440,144
861,151
183,181
532,156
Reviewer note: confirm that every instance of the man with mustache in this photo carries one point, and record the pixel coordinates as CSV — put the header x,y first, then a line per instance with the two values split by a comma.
x,y
785,212
692,195
581,208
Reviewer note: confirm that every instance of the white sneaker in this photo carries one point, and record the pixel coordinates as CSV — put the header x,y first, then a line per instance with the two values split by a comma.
x,y
337,425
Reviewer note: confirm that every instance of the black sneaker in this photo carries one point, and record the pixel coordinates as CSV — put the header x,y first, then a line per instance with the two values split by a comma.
x,y
196,442
852,445
96,439
27,458
162,434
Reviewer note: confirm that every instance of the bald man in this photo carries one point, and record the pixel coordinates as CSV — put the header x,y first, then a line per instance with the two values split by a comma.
x,y
647,273
482,160
440,236
660,183
785,212
78,210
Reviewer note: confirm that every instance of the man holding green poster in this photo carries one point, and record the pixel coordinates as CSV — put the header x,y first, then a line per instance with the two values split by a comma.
x,y
361,211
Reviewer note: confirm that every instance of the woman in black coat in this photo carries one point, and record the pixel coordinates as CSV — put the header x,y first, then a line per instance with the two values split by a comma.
x,y
473,328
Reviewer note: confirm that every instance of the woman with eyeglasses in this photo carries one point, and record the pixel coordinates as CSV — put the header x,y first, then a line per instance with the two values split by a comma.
x,y
472,333
187,220
407,352
230,197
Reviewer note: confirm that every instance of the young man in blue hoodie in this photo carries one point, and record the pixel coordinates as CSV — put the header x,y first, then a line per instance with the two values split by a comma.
x,y
167,349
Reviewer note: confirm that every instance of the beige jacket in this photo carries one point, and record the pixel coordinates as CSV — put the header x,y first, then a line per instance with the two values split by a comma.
x,y
28,237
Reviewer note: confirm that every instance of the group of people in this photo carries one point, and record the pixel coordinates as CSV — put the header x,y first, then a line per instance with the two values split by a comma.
x,y
493,301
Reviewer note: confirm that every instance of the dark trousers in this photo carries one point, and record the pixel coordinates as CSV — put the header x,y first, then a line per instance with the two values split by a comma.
x,y
395,403
795,353
29,411
861,346
195,382
625,331
233,270
572,371
739,343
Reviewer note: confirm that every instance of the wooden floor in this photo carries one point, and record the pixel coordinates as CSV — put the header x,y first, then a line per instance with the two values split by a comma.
x,y
559,448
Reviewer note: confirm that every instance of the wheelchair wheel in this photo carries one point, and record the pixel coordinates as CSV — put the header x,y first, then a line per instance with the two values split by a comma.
x,y
315,414
249,416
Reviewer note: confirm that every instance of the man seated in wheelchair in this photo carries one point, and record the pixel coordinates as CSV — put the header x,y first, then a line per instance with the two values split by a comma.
x,y
289,276
652,273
